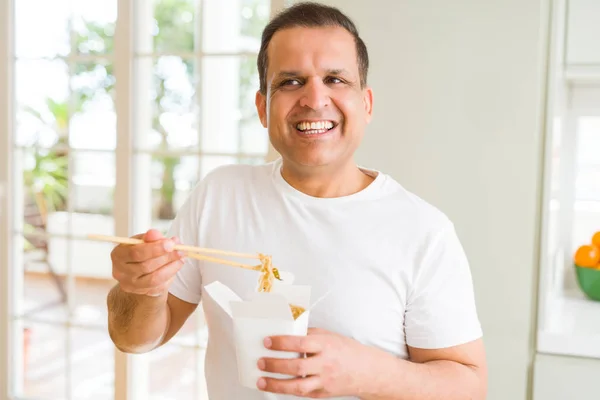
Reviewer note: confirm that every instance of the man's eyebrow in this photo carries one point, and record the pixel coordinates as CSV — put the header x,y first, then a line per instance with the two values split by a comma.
x,y
337,72
294,74
287,74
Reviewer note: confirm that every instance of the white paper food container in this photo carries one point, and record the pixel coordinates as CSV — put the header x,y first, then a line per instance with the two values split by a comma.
x,y
262,315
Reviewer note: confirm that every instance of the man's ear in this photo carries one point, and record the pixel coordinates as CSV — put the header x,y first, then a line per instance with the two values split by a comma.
x,y
368,101
261,107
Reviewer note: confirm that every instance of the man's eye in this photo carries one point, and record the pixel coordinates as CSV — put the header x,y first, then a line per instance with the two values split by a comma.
x,y
290,82
333,79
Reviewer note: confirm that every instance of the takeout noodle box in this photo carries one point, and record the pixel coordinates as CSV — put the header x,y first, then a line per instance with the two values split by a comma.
x,y
259,316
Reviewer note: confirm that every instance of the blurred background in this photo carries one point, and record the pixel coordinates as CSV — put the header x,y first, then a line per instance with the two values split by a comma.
x,y
111,111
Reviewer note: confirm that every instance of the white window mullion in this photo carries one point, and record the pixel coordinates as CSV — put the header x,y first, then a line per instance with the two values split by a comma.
x,y
6,239
198,59
141,114
70,279
130,381
199,353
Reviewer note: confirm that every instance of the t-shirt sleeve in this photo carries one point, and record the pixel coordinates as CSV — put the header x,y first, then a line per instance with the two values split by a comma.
x,y
441,310
187,284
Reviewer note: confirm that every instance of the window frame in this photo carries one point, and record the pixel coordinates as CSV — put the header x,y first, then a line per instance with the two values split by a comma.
x,y
6,125
131,372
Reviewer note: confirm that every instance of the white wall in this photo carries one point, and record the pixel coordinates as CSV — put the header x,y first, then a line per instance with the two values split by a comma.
x,y
458,89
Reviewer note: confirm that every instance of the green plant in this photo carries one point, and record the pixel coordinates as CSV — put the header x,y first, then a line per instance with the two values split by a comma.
x,y
45,179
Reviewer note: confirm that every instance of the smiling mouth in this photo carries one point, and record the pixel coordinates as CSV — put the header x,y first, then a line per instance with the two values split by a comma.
x,y
315,128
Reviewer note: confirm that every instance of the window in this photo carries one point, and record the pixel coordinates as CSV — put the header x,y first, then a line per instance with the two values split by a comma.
x,y
575,172
120,107
569,321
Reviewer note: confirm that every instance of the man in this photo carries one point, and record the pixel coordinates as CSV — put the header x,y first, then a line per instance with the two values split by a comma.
x,y
400,322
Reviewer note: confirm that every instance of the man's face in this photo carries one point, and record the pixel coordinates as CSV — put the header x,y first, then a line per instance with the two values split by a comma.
x,y
315,109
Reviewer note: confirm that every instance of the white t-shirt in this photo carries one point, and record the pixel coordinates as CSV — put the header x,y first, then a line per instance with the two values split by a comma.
x,y
399,272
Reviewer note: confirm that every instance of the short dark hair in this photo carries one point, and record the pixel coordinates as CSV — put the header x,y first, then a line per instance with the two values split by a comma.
x,y
310,15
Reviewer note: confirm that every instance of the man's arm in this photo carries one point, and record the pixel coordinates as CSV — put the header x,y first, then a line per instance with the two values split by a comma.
x,y
140,323
458,372
142,314
340,366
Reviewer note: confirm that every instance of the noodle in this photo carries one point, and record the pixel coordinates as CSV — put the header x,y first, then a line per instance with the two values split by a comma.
x,y
296,311
265,281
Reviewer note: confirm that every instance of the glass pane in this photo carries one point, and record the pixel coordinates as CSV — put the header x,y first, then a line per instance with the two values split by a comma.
x,y
173,26
94,178
93,125
94,26
42,92
44,286
169,109
92,365
588,159
88,259
173,373
225,94
50,19
45,362
173,178
208,163
233,26
45,186
91,290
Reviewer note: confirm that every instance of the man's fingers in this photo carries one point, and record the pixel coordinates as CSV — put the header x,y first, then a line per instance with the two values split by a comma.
x,y
159,277
301,387
132,272
300,367
142,252
138,270
147,251
297,344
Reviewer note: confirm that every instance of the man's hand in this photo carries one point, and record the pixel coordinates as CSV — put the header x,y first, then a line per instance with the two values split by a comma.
x,y
147,268
335,365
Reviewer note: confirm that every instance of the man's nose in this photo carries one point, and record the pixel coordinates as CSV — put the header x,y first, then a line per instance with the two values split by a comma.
x,y
315,94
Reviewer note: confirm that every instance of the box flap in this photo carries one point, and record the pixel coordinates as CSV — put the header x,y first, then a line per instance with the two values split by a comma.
x,y
298,295
263,305
274,305
222,295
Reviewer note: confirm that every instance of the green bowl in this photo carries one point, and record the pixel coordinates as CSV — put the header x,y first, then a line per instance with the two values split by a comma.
x,y
589,281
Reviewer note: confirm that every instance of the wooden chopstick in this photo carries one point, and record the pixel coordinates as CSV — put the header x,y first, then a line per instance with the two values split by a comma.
x,y
180,247
221,261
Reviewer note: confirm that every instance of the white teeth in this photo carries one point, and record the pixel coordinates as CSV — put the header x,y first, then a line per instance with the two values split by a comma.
x,y
321,125
314,131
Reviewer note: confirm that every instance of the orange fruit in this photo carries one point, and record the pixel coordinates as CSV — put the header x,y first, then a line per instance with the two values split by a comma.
x,y
587,256
596,239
